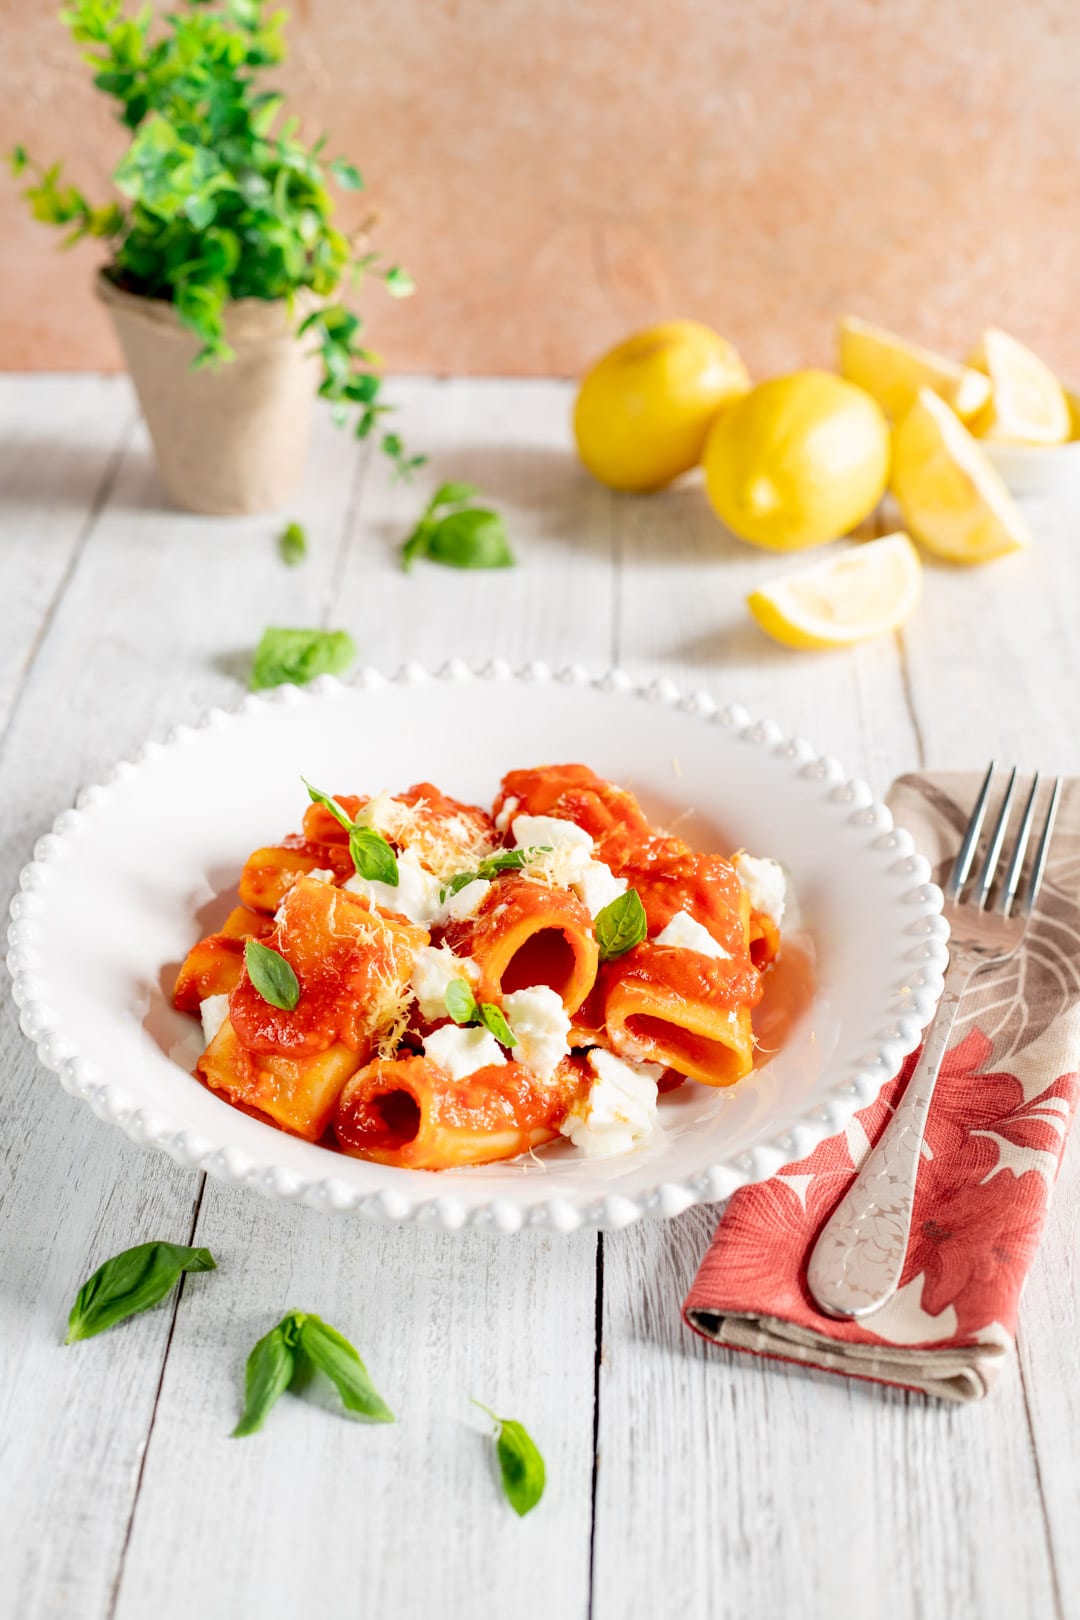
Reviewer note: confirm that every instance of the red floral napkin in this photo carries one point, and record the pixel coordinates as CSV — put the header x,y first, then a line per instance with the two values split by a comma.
x,y
1001,1113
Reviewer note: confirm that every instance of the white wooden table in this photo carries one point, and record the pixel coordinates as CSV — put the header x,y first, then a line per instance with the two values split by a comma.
x,y
683,1480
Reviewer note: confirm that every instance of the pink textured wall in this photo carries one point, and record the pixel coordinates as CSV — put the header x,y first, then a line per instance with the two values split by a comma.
x,y
555,172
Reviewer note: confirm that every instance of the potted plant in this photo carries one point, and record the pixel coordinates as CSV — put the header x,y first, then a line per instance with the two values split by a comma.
x,y
226,272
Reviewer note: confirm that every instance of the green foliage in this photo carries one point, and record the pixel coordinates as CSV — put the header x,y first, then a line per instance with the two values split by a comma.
x,y
222,200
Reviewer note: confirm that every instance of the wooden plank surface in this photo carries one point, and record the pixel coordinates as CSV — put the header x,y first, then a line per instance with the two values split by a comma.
x,y
724,1486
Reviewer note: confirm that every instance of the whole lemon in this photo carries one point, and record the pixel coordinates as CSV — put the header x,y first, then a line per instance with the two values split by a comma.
x,y
798,461
643,411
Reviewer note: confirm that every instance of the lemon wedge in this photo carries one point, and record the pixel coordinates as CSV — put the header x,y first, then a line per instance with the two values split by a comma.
x,y
866,591
952,499
1027,404
894,370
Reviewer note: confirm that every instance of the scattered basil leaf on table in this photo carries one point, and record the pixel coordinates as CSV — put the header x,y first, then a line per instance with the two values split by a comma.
x,y
283,1356
335,1356
460,1002
466,537
271,975
298,656
372,855
520,1463
491,1017
271,1367
131,1282
292,544
621,925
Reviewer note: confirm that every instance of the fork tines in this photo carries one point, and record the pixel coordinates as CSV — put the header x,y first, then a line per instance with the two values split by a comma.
x,y
1009,885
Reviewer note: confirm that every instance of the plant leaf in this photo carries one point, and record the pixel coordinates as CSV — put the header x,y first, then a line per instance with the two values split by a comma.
x,y
269,1372
335,1356
131,1282
346,174
292,544
460,1002
520,1463
621,925
271,975
373,856
492,1018
298,656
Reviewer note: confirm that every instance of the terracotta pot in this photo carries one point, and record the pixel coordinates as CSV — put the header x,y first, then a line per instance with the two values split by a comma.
x,y
228,439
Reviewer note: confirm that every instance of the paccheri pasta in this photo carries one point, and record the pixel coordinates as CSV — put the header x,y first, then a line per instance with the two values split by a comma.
x,y
465,986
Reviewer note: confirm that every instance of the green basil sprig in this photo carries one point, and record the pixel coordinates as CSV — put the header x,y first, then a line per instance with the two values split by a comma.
x,y
507,860
463,537
299,1342
271,975
296,657
464,1008
621,925
292,544
372,856
520,1463
131,1282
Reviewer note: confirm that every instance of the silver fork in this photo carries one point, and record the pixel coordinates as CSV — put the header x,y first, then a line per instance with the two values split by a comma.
x,y
859,1258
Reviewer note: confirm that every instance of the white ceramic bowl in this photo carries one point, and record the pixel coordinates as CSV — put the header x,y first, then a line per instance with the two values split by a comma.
x,y
1047,472
123,885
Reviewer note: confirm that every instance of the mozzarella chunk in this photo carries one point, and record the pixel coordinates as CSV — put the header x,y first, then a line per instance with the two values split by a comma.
x,y
506,814
467,900
764,881
416,895
687,934
620,1111
460,1052
542,1025
565,860
435,969
598,886
213,1011
323,874
531,832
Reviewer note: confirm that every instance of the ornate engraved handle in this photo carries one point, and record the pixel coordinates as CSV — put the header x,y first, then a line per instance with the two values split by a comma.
x,y
859,1258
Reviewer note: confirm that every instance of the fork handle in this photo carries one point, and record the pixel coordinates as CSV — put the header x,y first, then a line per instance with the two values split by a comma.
x,y
858,1259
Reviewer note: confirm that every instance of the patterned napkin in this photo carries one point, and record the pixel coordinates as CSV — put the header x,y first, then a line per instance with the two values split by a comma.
x,y
1001,1113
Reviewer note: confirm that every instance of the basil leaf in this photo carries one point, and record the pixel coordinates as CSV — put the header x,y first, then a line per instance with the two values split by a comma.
x,y
270,1369
520,1463
460,1002
292,544
460,881
298,656
335,1356
131,1282
452,494
415,546
472,538
372,856
271,975
621,925
491,1017
318,797
511,860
